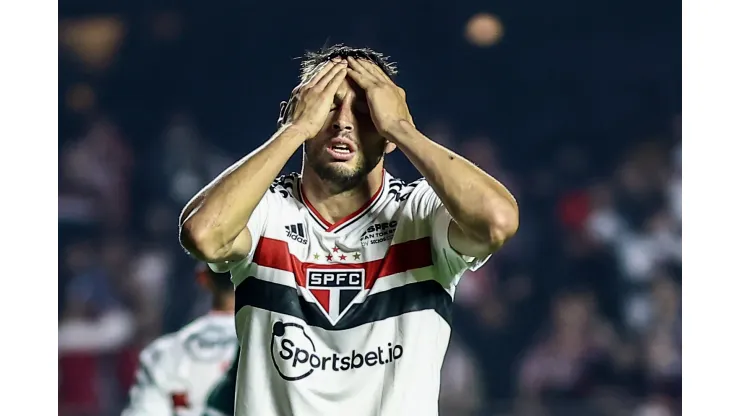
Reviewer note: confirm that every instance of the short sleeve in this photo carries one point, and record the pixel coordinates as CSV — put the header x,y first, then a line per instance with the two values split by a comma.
x,y
271,200
427,207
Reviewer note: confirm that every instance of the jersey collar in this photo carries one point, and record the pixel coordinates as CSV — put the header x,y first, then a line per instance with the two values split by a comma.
x,y
349,219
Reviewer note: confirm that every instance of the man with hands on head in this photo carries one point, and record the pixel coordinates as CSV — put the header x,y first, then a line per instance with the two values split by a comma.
x,y
345,275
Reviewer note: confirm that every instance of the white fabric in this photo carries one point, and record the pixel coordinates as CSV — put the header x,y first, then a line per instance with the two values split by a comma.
x,y
315,363
188,363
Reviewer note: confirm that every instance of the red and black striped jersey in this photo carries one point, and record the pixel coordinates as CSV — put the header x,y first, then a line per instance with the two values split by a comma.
x,y
347,315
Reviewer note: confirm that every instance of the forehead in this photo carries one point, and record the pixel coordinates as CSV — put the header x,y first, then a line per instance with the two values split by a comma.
x,y
349,90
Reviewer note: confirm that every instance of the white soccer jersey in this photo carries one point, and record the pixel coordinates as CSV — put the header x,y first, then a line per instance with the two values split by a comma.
x,y
177,371
345,318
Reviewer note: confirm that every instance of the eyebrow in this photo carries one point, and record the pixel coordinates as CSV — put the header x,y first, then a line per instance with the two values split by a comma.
x,y
358,94
359,99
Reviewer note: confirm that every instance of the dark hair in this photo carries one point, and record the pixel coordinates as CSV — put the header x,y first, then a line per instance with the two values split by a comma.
x,y
312,61
221,281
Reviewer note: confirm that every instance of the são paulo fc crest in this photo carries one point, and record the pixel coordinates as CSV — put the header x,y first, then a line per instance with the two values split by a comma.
x,y
335,289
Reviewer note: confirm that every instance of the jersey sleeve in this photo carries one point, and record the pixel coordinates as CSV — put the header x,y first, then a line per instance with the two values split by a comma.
x,y
427,208
271,201
148,396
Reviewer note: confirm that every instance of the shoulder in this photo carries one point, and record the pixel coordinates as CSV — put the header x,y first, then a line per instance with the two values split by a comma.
x,y
415,207
411,205
207,338
412,196
284,192
285,186
154,358
157,348
400,190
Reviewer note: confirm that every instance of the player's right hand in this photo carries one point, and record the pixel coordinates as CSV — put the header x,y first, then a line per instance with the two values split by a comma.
x,y
312,100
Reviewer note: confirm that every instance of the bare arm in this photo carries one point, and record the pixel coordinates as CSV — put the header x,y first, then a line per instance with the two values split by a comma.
x,y
213,224
485,214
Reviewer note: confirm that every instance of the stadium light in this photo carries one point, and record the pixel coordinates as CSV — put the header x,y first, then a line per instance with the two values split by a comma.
x,y
484,30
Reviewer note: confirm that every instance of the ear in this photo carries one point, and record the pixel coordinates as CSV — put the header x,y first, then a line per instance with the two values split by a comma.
x,y
281,115
389,147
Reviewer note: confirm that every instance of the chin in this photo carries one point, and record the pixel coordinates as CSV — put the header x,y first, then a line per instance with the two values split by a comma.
x,y
339,170
343,175
341,166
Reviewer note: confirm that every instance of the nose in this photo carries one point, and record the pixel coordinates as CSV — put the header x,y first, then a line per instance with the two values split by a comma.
x,y
344,120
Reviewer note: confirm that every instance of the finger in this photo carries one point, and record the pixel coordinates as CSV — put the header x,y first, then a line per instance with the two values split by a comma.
x,y
360,78
335,82
356,65
320,75
326,67
374,69
331,75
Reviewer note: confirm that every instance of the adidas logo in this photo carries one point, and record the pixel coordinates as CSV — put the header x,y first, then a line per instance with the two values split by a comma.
x,y
296,232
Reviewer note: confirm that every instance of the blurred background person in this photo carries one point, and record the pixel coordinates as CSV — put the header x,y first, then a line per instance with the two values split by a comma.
x,y
177,371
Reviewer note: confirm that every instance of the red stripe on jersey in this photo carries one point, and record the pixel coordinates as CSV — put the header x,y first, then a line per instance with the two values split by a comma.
x,y
401,257
314,210
327,223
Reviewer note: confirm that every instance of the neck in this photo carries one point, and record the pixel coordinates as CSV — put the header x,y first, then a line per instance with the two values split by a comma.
x,y
335,206
223,304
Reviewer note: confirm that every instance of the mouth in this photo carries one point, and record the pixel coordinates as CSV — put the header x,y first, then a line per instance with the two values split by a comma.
x,y
341,149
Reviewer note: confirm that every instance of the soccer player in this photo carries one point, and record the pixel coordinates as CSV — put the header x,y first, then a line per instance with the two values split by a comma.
x,y
220,401
344,274
177,371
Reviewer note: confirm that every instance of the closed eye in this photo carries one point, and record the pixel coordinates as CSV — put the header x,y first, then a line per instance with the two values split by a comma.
x,y
335,104
362,108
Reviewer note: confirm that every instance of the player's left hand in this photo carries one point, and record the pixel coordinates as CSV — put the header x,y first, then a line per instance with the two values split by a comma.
x,y
386,100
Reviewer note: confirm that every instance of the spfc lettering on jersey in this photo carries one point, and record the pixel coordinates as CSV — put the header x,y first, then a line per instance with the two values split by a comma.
x,y
335,289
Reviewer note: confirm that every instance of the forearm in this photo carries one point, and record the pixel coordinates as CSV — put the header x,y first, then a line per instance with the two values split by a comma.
x,y
219,212
481,206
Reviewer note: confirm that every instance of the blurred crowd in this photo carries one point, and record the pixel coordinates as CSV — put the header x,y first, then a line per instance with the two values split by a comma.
x,y
580,314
